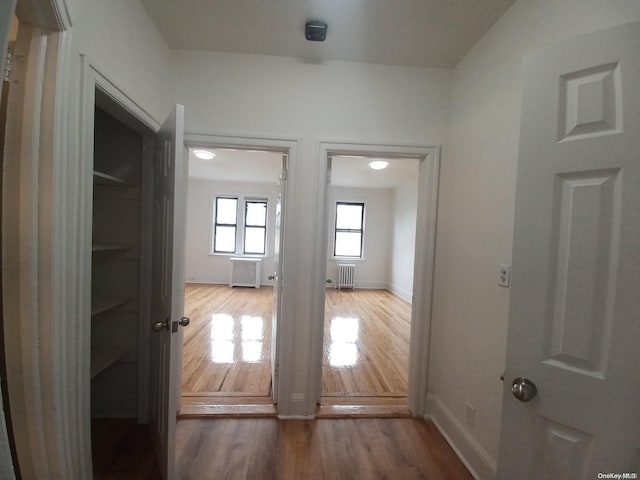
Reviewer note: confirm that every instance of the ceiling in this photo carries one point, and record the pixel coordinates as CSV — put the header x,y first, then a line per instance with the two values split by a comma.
x,y
232,165
427,33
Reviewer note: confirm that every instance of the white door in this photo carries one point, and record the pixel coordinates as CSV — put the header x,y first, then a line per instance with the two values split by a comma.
x,y
277,277
574,322
167,289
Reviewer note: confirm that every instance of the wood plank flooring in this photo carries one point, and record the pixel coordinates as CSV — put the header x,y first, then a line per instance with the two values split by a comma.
x,y
228,343
227,347
366,344
269,449
122,450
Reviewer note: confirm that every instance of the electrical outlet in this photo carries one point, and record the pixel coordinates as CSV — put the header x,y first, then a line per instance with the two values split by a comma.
x,y
504,275
470,415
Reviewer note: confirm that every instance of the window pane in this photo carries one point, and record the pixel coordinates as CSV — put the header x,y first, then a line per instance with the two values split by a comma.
x,y
225,239
226,210
349,216
256,214
254,240
348,244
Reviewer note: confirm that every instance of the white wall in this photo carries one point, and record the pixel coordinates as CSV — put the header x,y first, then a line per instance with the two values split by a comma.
x,y
372,271
405,210
120,38
256,95
476,211
200,265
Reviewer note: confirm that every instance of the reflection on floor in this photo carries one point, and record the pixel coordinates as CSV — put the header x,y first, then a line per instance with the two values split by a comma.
x,y
226,358
227,346
366,344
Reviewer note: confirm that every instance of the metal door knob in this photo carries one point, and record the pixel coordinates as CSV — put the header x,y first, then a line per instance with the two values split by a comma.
x,y
184,321
271,276
523,389
159,326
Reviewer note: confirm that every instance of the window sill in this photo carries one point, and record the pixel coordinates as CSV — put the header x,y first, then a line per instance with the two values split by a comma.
x,y
239,255
347,259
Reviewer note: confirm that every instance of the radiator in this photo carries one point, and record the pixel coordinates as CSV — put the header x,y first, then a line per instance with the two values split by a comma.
x,y
346,276
245,272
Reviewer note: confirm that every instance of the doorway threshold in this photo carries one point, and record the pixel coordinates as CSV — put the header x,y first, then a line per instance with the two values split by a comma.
x,y
227,406
363,407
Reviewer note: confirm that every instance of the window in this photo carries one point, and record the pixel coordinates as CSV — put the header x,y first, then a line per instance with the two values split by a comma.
x,y
225,225
349,229
255,226
237,233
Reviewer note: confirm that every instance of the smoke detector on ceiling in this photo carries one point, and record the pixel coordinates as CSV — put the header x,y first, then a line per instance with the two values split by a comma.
x,y
315,31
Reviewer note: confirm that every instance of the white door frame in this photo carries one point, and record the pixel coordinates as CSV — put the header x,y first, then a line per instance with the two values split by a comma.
x,y
94,78
39,249
285,342
423,264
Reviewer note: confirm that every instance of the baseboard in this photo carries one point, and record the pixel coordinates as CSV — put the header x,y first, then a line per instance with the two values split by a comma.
x,y
206,282
475,458
296,417
407,296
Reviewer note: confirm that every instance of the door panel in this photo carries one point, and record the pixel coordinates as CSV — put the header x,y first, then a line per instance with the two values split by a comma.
x,y
573,322
277,284
167,288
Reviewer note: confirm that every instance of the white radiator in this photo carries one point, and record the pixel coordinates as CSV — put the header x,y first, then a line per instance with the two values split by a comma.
x,y
346,276
245,272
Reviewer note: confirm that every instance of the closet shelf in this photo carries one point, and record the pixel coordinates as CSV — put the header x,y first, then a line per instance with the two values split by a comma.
x,y
102,178
108,247
103,304
103,358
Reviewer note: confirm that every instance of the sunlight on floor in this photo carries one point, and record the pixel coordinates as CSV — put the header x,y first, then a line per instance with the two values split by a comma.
x,y
343,351
224,328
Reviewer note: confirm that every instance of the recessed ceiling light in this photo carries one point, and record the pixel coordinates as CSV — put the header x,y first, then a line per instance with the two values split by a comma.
x,y
378,164
204,154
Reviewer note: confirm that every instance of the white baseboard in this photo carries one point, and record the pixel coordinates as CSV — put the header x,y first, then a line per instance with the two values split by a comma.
x,y
407,296
475,458
206,282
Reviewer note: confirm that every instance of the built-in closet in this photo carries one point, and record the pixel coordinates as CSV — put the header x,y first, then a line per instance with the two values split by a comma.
x,y
121,263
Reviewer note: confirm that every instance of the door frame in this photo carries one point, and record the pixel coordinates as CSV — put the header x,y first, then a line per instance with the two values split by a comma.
x,y
39,249
290,147
426,221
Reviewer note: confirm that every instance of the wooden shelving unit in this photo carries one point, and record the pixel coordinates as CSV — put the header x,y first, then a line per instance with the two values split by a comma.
x,y
101,304
103,358
120,247
109,247
100,178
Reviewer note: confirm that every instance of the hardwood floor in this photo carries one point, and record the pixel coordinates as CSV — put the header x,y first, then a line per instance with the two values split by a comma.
x,y
363,449
227,350
227,346
366,344
271,449
122,450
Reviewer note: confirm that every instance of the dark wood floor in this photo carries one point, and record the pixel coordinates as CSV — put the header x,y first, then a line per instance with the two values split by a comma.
x,y
272,449
121,450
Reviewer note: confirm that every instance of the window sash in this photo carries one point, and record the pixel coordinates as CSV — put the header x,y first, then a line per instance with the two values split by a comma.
x,y
338,248
255,227
219,227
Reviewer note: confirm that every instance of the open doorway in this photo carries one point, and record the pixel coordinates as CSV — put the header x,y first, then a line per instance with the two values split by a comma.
x,y
231,259
372,213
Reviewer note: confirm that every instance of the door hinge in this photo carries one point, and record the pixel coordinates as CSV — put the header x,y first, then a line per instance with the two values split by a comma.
x,y
7,68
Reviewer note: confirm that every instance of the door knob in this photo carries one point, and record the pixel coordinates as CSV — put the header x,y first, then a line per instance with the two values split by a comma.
x,y
271,276
523,389
184,321
159,326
